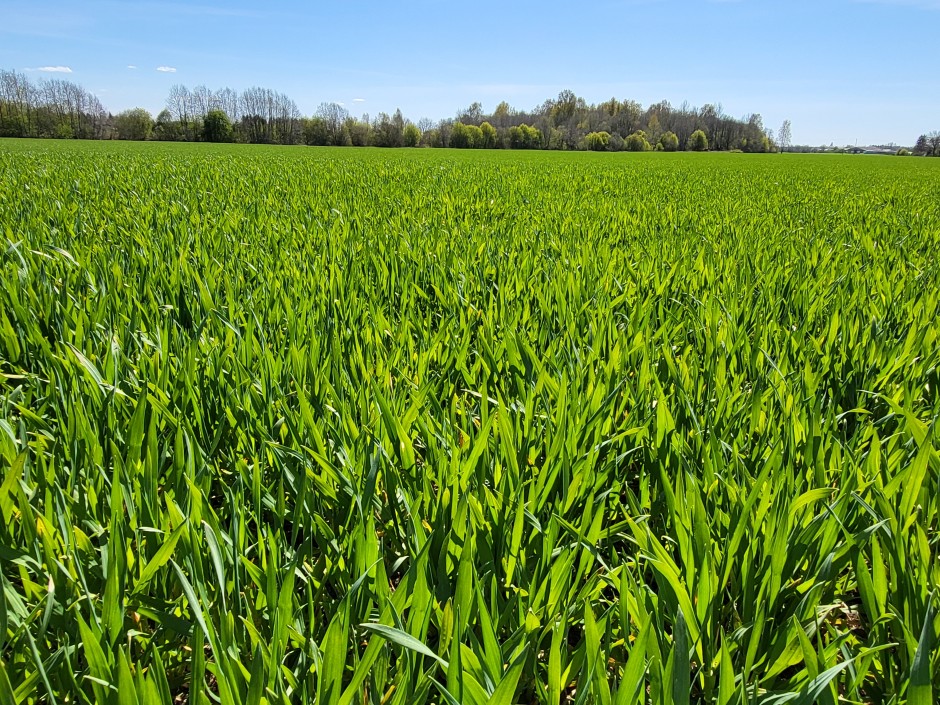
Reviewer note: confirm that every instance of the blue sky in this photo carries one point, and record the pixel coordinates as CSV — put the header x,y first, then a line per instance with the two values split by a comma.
x,y
842,71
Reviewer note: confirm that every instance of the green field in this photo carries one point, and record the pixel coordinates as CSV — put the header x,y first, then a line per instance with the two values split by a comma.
x,y
297,425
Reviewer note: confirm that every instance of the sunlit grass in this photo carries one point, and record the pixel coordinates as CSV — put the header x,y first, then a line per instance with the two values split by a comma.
x,y
364,426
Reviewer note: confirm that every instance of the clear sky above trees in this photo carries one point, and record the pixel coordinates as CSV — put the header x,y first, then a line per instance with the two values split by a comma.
x,y
841,70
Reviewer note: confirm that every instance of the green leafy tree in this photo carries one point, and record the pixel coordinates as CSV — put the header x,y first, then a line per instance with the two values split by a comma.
x,y
459,136
135,124
315,132
217,127
525,137
669,142
431,138
654,128
388,130
166,128
411,135
359,131
490,136
698,141
476,137
637,142
556,138
597,141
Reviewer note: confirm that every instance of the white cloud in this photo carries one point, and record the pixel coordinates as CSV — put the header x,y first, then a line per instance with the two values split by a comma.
x,y
53,69
166,69
359,100
131,66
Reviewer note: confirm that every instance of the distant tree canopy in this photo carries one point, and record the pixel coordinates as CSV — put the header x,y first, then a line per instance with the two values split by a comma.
x,y
928,145
698,142
597,141
669,142
57,108
216,127
133,124
637,142
411,135
49,108
525,137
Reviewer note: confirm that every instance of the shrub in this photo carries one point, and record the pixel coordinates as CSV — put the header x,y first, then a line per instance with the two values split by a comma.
x,y
669,142
490,136
637,142
525,137
459,135
698,142
597,141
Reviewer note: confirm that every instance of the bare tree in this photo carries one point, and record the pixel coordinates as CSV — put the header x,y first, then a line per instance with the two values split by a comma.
x,y
783,136
472,115
933,142
227,101
334,115
200,102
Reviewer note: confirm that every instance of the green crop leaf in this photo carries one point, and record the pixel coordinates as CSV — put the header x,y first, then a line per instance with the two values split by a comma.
x,y
921,688
403,639
666,423
160,558
506,688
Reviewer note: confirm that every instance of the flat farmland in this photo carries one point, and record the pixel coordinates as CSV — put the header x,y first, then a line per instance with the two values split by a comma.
x,y
284,425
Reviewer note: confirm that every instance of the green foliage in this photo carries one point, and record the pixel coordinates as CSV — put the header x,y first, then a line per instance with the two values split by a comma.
x,y
411,135
525,137
597,141
217,127
467,136
460,136
389,130
698,142
13,123
135,124
316,132
760,144
165,129
336,426
489,135
669,142
637,142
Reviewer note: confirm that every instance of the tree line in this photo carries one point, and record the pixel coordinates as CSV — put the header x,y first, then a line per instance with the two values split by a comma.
x,y
928,145
63,109
49,108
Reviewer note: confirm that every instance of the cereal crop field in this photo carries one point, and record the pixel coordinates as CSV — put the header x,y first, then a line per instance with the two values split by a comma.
x,y
302,425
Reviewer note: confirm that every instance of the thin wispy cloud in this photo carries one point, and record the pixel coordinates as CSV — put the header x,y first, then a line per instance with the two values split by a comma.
x,y
52,69
166,69
131,67
359,100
